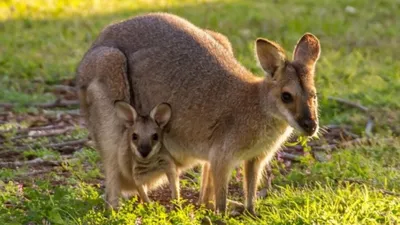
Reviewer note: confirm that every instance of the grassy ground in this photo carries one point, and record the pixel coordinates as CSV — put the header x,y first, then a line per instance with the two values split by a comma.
x,y
42,42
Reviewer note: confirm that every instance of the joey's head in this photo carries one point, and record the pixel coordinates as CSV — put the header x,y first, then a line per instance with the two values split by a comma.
x,y
290,84
145,132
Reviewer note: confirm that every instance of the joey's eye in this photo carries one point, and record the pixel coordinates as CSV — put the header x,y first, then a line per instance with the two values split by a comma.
x,y
134,137
286,97
154,137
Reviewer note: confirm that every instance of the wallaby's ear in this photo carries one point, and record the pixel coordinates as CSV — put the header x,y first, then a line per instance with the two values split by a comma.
x,y
270,55
125,111
161,114
307,51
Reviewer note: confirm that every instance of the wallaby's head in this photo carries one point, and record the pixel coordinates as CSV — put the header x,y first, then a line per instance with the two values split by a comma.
x,y
291,83
145,132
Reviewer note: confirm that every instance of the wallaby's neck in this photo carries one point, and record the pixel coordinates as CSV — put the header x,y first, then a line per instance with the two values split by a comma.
x,y
258,114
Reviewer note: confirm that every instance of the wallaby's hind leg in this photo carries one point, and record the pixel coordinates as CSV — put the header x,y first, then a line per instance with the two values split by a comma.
x,y
113,189
105,132
101,81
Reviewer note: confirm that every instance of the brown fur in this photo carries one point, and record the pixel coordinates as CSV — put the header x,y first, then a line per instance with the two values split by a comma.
x,y
223,115
222,40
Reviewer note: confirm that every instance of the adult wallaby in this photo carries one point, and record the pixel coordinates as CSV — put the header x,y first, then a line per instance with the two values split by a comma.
x,y
130,144
223,114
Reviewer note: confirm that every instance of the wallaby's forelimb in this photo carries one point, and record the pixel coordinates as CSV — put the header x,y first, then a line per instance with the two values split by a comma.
x,y
173,179
220,173
207,196
143,194
252,173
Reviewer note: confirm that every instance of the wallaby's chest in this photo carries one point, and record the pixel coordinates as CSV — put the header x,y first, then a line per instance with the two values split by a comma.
x,y
146,171
266,143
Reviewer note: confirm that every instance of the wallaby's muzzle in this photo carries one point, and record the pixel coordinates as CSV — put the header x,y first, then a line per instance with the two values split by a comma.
x,y
309,126
144,150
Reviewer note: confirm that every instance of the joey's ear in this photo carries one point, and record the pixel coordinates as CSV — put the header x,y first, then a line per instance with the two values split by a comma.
x,y
161,114
307,51
270,55
125,111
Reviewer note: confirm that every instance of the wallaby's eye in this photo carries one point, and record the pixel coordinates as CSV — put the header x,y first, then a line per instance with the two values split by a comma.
x,y
154,137
286,97
134,137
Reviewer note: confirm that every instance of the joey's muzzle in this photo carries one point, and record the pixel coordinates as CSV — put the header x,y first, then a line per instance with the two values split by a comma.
x,y
144,150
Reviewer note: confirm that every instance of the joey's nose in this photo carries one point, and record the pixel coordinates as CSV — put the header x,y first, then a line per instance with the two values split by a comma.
x,y
309,126
145,150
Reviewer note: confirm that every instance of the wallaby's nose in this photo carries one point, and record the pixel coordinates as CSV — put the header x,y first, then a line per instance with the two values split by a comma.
x,y
309,126
145,150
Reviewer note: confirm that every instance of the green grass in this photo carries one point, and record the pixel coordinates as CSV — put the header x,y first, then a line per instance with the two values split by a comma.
x,y
42,42
349,189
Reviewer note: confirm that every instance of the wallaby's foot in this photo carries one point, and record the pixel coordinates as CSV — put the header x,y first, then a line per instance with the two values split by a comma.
x,y
239,209
112,204
210,205
144,200
111,198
